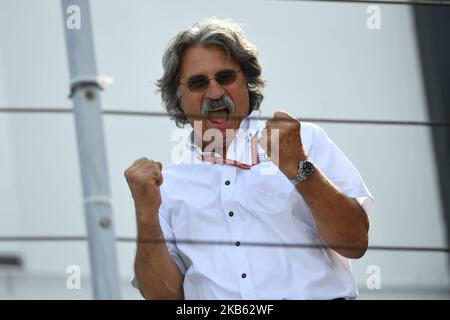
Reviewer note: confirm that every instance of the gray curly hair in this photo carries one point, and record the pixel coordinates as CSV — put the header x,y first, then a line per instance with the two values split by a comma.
x,y
209,32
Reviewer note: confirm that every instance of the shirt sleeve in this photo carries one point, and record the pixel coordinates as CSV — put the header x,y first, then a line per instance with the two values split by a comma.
x,y
169,236
327,156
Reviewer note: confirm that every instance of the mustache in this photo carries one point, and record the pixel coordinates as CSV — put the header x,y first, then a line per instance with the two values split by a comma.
x,y
213,104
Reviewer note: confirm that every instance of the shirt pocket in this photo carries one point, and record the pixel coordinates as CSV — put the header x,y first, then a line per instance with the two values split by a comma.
x,y
267,189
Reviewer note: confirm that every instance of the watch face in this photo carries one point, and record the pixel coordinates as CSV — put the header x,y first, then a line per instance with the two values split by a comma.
x,y
307,168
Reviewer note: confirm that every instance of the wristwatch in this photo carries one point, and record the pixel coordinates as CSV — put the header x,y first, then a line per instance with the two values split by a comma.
x,y
305,170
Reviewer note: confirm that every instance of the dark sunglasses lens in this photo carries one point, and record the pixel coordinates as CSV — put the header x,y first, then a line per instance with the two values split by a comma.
x,y
197,83
226,77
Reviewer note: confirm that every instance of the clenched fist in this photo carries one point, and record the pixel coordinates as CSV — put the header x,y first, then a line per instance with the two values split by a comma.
x,y
144,179
288,145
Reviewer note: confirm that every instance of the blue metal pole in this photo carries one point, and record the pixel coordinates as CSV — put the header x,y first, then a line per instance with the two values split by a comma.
x,y
85,91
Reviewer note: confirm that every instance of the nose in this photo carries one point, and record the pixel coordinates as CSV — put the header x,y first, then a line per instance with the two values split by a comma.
x,y
214,90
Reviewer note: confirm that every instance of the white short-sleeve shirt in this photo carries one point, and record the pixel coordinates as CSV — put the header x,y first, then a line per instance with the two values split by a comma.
x,y
217,202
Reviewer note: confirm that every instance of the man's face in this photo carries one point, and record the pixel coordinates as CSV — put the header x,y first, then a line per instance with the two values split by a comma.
x,y
200,61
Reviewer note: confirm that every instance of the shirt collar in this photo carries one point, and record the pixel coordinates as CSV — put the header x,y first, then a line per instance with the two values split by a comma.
x,y
239,148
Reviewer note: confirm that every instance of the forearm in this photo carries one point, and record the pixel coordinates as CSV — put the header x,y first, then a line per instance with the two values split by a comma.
x,y
157,274
340,220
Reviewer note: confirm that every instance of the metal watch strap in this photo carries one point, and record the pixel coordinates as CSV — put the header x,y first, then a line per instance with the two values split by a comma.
x,y
299,177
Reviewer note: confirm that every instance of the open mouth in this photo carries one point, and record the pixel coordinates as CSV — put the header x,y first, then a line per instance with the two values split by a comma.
x,y
219,116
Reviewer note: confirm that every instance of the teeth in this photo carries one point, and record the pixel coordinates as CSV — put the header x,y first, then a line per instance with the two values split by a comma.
x,y
218,109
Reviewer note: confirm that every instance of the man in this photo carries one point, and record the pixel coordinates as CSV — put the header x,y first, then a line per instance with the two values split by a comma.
x,y
226,193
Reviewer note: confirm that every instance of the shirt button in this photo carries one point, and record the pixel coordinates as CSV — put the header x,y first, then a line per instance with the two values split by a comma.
x,y
238,243
227,182
243,276
231,213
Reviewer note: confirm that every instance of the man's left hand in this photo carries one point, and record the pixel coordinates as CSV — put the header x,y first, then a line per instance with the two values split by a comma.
x,y
290,148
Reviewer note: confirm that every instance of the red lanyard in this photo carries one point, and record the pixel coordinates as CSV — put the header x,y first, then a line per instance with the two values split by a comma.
x,y
255,160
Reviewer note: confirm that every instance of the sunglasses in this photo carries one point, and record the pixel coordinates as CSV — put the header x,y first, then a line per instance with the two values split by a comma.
x,y
200,82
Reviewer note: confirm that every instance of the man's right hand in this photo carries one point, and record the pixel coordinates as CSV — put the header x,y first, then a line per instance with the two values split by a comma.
x,y
157,274
144,179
